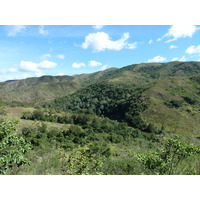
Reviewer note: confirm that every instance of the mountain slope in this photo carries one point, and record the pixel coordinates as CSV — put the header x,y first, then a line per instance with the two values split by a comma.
x,y
171,99
51,87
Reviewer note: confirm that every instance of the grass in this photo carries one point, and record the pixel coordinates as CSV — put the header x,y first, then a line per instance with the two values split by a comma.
x,y
15,113
184,119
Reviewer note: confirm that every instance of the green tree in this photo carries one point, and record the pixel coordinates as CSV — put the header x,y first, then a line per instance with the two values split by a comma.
x,y
12,147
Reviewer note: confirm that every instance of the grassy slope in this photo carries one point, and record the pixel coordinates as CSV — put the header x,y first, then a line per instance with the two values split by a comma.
x,y
15,113
183,119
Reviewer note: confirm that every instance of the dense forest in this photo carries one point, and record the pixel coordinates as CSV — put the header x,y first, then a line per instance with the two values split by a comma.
x,y
139,119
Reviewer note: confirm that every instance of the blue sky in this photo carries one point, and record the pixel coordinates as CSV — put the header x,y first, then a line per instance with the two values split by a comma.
x,y
33,51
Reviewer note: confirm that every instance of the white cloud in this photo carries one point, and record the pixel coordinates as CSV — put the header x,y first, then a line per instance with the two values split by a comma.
x,y
28,66
60,74
8,71
131,46
94,63
24,76
183,58
173,46
97,27
45,56
157,59
42,31
46,65
104,67
78,65
36,67
38,74
174,59
61,56
179,31
150,41
193,49
12,70
14,29
101,41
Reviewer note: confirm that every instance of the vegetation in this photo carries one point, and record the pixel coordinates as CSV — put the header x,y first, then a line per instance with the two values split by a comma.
x,y
12,147
167,159
117,121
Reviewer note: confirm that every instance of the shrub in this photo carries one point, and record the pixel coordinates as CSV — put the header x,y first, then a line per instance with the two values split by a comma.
x,y
166,159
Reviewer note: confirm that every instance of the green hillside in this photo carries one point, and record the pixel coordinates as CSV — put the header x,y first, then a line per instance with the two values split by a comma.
x,y
50,87
139,119
156,95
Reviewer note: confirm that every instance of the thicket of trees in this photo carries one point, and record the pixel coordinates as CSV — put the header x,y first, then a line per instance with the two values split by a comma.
x,y
119,102
84,128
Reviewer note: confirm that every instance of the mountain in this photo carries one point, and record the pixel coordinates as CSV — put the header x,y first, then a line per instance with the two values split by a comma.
x,y
50,87
146,96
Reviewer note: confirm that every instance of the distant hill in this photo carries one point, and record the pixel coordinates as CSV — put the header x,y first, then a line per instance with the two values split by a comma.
x,y
50,87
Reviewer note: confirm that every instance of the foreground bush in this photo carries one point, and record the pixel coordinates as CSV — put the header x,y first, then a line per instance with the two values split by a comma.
x,y
12,147
166,159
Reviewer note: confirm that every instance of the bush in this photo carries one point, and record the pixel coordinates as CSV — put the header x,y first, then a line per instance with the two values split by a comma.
x,y
166,159
12,147
38,115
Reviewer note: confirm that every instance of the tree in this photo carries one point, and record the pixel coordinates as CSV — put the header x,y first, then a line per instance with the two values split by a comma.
x,y
12,147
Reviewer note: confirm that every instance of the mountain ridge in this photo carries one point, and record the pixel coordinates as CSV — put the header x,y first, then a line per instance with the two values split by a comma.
x,y
38,89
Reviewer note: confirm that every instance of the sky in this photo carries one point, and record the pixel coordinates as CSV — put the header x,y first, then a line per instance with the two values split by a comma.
x,y
37,50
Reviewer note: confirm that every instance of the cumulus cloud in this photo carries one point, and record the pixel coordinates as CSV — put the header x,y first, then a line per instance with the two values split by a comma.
x,y
179,31
12,30
42,30
104,67
173,46
97,27
45,56
94,63
101,41
36,67
78,65
61,56
157,59
193,49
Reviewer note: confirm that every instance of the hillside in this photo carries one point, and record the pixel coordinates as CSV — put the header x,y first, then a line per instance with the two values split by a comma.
x,y
139,119
160,94
168,97
50,87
